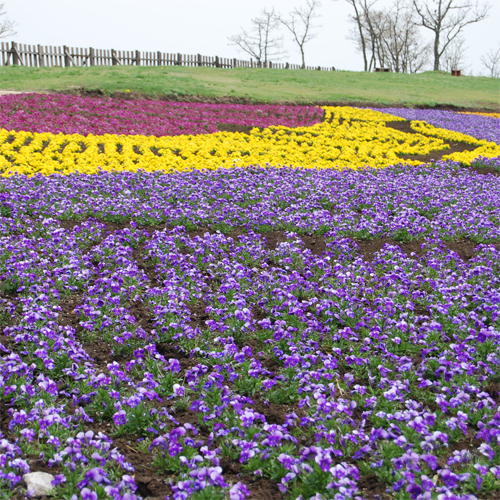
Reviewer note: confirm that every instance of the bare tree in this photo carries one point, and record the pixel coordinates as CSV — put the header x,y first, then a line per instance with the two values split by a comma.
x,y
376,25
368,32
300,24
454,55
390,35
261,42
359,19
447,19
491,61
400,40
6,25
417,56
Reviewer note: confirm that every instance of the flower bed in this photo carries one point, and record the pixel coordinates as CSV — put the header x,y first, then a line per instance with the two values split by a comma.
x,y
288,332
348,138
98,116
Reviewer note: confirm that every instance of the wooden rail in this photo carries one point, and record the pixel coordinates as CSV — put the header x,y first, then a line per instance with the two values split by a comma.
x,y
46,56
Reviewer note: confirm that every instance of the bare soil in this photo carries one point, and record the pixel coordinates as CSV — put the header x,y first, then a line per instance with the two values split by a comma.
x,y
232,127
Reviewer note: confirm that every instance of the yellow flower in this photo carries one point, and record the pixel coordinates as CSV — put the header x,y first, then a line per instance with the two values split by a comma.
x,y
492,115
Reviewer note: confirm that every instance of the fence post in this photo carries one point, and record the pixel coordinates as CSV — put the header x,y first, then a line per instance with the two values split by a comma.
x,y
15,55
179,59
158,58
67,62
137,58
217,64
41,58
91,56
199,60
234,62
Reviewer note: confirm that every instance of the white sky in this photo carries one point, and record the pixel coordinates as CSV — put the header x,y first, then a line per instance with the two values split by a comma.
x,y
202,26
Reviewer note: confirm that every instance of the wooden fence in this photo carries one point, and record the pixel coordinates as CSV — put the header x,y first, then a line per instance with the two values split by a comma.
x,y
46,56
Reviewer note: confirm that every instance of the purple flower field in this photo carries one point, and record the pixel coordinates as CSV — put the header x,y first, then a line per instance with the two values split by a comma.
x,y
97,116
252,334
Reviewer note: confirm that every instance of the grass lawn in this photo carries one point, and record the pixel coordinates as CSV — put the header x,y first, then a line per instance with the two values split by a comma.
x,y
430,88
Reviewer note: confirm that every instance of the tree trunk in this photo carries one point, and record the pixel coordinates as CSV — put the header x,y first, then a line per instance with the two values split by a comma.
x,y
362,37
436,52
363,46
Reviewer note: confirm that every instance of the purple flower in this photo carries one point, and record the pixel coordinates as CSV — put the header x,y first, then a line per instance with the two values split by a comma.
x,y
238,491
430,460
179,390
88,495
486,450
120,418
58,479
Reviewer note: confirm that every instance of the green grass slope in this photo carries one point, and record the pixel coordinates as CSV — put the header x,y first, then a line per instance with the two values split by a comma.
x,y
430,88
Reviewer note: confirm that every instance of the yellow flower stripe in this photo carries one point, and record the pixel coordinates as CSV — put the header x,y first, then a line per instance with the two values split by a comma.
x,y
483,148
492,115
348,138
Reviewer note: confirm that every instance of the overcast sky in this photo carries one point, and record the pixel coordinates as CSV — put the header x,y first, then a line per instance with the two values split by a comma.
x,y
202,26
